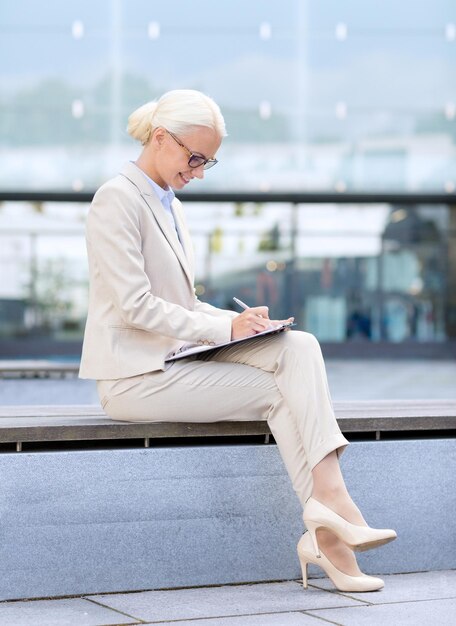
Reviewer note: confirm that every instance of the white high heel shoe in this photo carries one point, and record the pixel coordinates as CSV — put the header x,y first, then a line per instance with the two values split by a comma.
x,y
342,581
317,515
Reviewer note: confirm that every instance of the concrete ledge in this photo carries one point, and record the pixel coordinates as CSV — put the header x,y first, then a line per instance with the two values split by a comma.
x,y
96,521
121,520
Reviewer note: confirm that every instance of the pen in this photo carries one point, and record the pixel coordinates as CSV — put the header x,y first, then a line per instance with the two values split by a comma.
x,y
241,304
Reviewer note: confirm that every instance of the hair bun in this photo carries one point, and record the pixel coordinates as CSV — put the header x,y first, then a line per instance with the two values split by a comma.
x,y
140,122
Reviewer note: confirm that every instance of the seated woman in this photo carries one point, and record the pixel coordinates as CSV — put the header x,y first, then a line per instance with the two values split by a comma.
x,y
143,308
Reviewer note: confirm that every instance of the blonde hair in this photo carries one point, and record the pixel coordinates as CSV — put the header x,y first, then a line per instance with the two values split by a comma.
x,y
179,111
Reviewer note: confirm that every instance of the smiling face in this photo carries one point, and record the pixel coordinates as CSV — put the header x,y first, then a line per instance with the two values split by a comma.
x,y
166,162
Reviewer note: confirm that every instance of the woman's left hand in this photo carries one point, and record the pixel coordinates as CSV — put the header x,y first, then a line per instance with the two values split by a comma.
x,y
290,320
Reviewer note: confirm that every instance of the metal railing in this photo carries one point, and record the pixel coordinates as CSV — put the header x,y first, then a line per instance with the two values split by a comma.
x,y
305,197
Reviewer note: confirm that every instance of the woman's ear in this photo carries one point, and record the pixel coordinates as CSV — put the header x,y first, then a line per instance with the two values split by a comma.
x,y
158,137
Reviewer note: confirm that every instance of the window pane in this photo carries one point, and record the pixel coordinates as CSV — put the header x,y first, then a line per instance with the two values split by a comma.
x,y
316,95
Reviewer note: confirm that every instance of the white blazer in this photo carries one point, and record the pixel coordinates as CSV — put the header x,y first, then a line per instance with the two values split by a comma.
x,y
142,303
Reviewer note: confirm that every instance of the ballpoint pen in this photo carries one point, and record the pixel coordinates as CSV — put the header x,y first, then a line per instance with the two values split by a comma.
x,y
241,304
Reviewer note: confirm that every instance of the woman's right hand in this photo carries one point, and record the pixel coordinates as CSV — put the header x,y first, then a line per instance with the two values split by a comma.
x,y
252,321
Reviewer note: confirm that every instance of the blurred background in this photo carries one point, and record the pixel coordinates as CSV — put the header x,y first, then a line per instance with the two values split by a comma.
x,y
334,199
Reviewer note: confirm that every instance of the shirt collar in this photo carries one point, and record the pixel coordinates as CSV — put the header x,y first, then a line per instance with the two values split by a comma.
x,y
166,195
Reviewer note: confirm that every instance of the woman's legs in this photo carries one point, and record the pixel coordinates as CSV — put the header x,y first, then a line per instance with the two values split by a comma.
x,y
307,436
295,360
329,488
280,378
303,424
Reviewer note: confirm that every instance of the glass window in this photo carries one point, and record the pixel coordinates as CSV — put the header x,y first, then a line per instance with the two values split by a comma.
x,y
316,95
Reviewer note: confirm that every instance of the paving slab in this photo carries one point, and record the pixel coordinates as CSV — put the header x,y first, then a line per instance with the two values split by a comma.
x,y
357,379
388,378
48,391
226,601
72,611
405,587
270,619
425,613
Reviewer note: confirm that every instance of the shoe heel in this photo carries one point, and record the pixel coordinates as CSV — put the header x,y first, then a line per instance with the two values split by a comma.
x,y
304,572
312,529
342,581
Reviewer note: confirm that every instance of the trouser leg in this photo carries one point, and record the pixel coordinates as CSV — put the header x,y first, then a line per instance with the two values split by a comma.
x,y
192,391
295,360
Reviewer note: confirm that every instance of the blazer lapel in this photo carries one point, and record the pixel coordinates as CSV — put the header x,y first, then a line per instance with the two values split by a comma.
x,y
131,171
184,235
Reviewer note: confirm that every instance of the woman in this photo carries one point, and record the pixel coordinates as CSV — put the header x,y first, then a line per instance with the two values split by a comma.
x,y
143,308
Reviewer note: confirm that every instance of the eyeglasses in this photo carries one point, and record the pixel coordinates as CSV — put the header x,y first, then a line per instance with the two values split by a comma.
x,y
195,160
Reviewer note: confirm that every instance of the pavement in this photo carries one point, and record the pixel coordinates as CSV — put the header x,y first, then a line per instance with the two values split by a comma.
x,y
422,599
348,380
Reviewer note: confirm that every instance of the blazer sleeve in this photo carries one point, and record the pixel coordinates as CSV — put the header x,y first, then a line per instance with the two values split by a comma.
x,y
114,247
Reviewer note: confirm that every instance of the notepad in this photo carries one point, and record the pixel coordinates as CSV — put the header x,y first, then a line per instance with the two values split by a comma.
x,y
197,349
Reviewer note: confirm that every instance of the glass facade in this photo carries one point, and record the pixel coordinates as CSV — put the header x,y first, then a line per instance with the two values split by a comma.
x,y
318,95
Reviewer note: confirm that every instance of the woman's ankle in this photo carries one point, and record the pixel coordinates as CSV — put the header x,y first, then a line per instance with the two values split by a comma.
x,y
340,501
330,494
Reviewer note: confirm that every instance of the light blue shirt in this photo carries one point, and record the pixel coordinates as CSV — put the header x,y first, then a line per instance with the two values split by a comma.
x,y
166,196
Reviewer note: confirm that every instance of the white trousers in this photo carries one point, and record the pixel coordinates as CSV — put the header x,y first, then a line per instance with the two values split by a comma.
x,y
279,378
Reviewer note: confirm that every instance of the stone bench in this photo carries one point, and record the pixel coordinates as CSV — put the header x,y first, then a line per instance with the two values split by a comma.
x,y
20,424
89,505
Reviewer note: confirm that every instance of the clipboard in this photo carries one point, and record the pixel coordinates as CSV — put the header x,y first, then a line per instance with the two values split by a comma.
x,y
192,350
